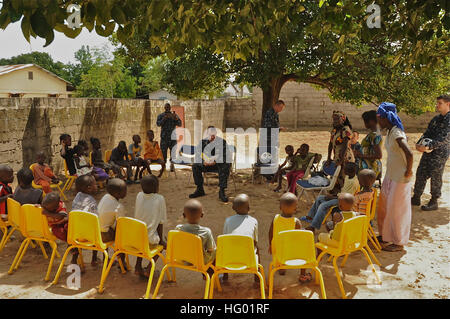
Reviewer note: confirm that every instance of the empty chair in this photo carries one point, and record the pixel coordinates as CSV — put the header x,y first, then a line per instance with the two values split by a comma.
x,y
236,254
295,250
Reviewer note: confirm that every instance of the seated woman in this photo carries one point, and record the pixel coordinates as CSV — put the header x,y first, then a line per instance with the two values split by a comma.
x,y
153,153
97,157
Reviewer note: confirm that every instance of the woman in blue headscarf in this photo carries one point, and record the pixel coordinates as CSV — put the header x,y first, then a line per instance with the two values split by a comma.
x,y
394,206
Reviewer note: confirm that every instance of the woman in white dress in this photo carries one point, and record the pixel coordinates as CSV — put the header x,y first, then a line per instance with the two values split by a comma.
x,y
394,206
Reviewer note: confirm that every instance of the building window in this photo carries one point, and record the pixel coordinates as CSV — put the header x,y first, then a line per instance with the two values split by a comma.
x,y
53,95
30,75
15,95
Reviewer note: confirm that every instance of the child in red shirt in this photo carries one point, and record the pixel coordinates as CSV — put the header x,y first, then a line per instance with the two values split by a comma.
x,y
6,177
43,174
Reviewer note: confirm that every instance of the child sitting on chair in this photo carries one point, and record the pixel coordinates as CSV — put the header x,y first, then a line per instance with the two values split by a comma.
x,y
119,158
334,227
67,153
366,178
151,209
283,169
6,178
97,157
109,209
54,209
193,212
153,153
83,164
43,174
134,151
86,187
287,221
242,224
301,160
25,193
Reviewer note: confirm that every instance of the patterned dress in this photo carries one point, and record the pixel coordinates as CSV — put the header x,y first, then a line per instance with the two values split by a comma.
x,y
368,148
337,140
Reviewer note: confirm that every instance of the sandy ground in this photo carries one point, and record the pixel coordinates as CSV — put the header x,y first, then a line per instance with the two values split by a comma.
x,y
420,271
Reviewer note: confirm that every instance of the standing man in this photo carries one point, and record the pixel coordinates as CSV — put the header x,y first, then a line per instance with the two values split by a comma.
x,y
168,121
212,155
435,155
272,121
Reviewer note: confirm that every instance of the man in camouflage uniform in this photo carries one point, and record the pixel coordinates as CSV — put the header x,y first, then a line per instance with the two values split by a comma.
x,y
432,163
212,155
168,121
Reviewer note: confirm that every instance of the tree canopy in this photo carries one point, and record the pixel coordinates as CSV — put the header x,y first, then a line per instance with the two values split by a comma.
x,y
268,42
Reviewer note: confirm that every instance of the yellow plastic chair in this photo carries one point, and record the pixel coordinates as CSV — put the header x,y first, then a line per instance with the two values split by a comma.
x,y
295,250
35,227
132,239
57,186
370,232
84,233
353,238
70,178
107,155
14,212
236,254
185,251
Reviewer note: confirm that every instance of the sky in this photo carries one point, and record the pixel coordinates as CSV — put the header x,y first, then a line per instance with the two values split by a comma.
x,y
12,42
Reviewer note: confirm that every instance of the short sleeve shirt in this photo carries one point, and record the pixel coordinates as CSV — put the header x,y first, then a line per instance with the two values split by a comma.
x,y
203,232
151,209
136,151
396,159
85,202
302,163
351,185
109,209
271,119
244,225
28,195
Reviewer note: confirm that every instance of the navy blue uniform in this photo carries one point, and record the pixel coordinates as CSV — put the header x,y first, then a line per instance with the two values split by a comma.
x,y
167,126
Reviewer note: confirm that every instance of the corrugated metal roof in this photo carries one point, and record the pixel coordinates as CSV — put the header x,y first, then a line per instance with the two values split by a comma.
x,y
5,69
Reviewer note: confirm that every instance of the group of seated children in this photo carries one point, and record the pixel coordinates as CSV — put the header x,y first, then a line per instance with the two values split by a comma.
x,y
294,166
122,157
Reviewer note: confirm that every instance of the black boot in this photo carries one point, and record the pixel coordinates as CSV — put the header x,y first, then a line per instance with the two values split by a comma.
x,y
198,192
222,195
432,205
415,200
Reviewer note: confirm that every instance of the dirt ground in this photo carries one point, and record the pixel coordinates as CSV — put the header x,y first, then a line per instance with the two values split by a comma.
x,y
420,271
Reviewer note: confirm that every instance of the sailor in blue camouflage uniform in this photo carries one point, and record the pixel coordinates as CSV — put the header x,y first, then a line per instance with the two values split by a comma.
x,y
168,121
213,154
432,163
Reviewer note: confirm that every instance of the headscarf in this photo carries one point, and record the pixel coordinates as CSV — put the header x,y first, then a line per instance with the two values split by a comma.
x,y
389,111
345,121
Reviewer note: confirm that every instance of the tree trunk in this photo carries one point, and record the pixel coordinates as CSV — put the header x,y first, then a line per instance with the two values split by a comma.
x,y
271,94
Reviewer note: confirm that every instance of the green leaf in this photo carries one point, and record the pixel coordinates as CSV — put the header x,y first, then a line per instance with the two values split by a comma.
x,y
49,38
118,15
336,57
25,26
39,24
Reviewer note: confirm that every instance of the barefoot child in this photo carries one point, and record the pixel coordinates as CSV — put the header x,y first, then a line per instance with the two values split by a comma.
x,y
334,227
286,221
193,212
109,209
283,169
25,193
366,178
6,178
153,153
242,224
134,151
151,209
55,211
86,187
43,174
301,160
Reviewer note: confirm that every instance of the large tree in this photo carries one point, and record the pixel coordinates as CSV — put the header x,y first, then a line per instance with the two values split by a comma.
x,y
326,42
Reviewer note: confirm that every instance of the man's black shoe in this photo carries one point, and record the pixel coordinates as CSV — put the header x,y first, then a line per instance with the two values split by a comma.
x,y
197,193
222,195
415,201
432,205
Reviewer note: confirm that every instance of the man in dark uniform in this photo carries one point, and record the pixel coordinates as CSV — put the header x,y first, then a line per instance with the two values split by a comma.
x,y
432,163
168,121
212,155
272,121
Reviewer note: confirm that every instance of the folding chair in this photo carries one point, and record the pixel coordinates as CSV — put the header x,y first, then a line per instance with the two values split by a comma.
x,y
70,179
353,238
84,233
57,186
132,239
304,185
264,160
236,254
185,251
34,226
289,255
